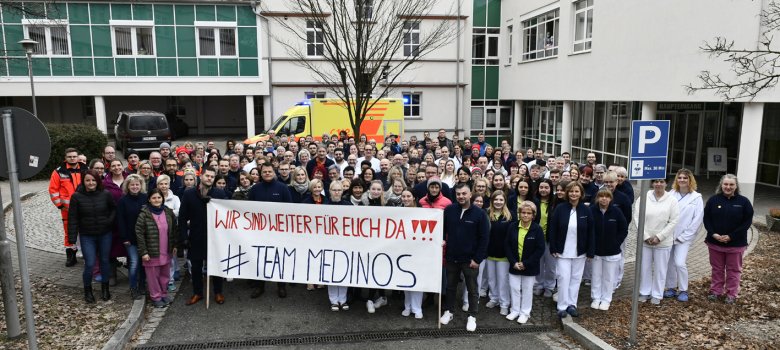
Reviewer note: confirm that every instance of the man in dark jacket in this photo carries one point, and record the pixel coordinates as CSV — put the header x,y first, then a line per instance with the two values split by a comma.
x,y
193,210
269,190
466,234
421,190
320,162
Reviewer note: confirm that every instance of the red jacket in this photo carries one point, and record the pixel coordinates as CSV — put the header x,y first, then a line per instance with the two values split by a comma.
x,y
64,181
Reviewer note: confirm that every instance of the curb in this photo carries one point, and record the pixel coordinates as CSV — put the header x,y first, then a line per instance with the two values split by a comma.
x,y
121,337
583,336
23,196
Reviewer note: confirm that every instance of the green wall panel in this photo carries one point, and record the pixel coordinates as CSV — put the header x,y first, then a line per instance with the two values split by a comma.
x,y
226,13
247,42
166,67
480,13
34,10
17,66
142,12
41,66
101,41
3,70
246,17
204,13
121,11
478,82
185,41
146,66
163,14
166,41
207,67
99,13
248,67
78,13
228,67
185,14
79,40
188,67
494,13
2,43
491,82
13,33
125,66
61,67
11,15
57,10
82,67
104,66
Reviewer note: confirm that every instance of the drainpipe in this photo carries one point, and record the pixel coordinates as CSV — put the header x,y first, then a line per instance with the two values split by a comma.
x,y
457,75
256,10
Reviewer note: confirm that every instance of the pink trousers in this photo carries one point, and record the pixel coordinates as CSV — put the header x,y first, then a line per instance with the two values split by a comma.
x,y
726,263
157,278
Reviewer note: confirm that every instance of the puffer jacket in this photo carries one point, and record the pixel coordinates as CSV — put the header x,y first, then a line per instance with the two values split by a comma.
x,y
91,213
148,235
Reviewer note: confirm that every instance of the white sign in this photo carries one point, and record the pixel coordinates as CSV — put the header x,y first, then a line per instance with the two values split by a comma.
x,y
386,248
716,159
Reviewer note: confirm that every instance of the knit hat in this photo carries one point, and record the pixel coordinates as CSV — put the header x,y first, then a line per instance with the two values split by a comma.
x,y
476,169
130,152
181,150
164,145
434,180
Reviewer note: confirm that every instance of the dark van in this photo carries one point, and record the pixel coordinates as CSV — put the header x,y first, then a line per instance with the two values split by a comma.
x,y
142,131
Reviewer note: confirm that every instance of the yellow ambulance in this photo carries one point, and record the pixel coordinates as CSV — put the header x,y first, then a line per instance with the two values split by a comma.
x,y
329,116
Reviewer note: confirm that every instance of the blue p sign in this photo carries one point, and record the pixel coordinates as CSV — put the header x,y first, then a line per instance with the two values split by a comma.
x,y
649,147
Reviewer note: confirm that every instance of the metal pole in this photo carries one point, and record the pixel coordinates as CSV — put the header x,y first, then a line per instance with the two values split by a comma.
x,y
32,84
8,284
13,175
640,233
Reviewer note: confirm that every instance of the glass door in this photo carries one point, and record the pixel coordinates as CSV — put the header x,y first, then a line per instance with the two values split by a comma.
x,y
685,141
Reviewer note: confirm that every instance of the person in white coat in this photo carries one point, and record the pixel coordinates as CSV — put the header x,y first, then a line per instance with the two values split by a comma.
x,y
691,208
661,217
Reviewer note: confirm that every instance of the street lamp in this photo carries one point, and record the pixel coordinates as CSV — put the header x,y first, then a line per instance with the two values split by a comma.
x,y
29,47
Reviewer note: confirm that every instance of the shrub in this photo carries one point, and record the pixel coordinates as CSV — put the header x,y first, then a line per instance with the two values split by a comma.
x,y
774,212
87,139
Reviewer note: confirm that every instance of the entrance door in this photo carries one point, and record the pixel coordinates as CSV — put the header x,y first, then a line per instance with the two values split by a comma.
x,y
685,141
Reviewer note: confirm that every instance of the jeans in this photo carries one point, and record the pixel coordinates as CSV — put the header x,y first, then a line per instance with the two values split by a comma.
x,y
132,265
470,278
91,247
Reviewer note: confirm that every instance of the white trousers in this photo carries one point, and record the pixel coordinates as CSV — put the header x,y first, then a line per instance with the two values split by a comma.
x,y
337,295
569,272
522,293
587,273
413,301
482,281
546,277
677,274
655,262
619,276
605,270
498,282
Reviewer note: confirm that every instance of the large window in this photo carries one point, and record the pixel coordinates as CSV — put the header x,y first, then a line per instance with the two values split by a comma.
x,y
133,41
412,102
216,42
484,46
542,126
583,25
603,128
52,37
540,36
314,41
411,38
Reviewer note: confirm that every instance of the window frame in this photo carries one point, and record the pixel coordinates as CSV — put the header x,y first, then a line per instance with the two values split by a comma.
x,y
133,26
47,24
315,28
314,94
540,21
368,11
587,42
411,27
492,37
509,43
408,96
217,27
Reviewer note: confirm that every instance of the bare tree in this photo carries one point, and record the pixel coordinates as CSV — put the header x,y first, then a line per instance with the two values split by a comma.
x,y
360,45
753,70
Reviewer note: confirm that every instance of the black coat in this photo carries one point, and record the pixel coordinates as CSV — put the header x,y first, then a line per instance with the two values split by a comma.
x,y
127,214
193,210
90,213
559,225
611,230
533,249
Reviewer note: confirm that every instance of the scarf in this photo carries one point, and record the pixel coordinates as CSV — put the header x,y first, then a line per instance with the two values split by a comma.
x,y
392,199
300,188
156,210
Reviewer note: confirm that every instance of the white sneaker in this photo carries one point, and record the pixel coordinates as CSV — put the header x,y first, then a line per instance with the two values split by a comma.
x,y
229,279
595,304
471,324
504,311
406,313
491,304
548,293
370,306
512,316
418,316
555,297
446,318
483,293
522,319
465,307
604,306
379,302
538,292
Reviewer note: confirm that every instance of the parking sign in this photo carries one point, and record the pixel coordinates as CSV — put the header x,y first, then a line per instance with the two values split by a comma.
x,y
649,149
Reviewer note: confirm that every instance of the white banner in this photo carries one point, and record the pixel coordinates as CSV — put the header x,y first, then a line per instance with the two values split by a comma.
x,y
386,248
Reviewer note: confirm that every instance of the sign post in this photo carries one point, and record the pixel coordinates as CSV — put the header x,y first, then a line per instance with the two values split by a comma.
x,y
649,149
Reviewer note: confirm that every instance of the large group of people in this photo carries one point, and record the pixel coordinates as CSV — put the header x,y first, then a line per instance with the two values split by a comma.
x,y
517,224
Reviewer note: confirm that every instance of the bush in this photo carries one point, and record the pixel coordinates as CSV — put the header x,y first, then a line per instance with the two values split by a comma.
x,y
87,139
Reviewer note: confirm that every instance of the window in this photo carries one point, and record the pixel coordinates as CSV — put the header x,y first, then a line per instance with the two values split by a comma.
x,y
509,44
315,94
540,36
364,9
175,106
147,122
88,106
314,41
294,126
583,25
412,101
218,42
484,46
411,38
133,41
52,37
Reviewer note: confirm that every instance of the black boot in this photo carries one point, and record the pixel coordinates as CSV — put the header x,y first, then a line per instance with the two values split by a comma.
x,y
104,293
88,297
258,290
71,257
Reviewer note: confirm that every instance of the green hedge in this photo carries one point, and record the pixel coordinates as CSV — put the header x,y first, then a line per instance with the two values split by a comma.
x,y
87,139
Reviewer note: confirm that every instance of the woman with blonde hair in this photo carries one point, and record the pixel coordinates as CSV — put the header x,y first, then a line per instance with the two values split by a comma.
x,y
128,208
524,249
691,207
299,185
497,264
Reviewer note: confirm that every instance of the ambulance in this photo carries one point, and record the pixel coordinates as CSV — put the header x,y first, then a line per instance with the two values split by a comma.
x,y
316,117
